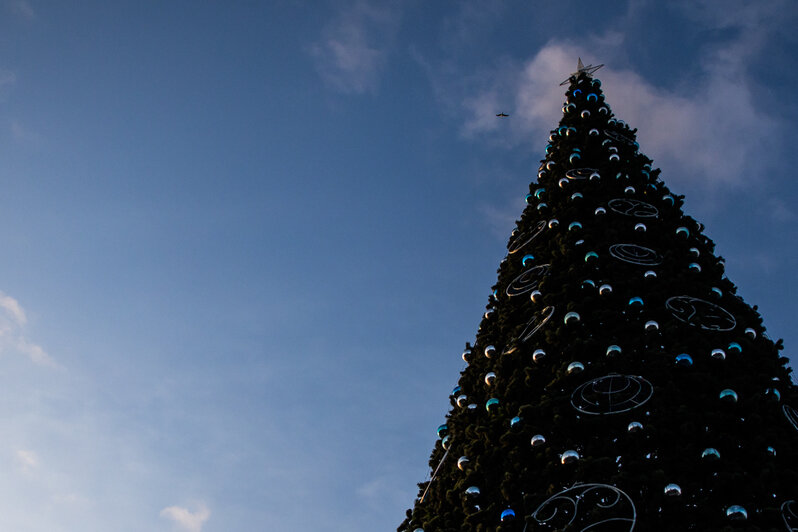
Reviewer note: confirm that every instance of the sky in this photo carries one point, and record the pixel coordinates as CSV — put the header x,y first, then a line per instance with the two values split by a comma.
x,y
244,243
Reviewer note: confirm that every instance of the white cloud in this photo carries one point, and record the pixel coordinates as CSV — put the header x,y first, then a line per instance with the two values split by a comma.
x,y
186,519
27,459
354,46
21,8
12,338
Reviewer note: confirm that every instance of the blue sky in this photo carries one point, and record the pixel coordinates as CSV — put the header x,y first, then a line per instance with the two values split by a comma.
x,y
244,245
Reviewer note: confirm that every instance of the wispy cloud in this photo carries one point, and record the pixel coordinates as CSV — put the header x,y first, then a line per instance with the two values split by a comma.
x,y
185,519
27,459
13,321
354,47
24,134
21,8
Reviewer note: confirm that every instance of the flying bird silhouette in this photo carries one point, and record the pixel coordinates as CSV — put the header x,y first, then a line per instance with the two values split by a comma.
x,y
502,115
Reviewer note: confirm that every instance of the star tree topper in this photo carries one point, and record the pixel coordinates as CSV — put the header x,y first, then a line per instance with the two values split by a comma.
x,y
580,68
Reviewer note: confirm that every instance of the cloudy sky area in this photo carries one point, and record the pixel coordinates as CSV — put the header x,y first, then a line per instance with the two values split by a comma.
x,y
243,246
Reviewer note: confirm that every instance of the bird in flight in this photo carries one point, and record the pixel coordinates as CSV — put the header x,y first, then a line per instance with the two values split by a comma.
x,y
502,115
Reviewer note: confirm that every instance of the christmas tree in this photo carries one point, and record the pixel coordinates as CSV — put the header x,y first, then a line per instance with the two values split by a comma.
x,y
616,382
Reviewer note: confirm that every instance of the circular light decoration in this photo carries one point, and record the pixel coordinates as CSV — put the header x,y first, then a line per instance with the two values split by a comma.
x,y
462,463
640,228
789,512
472,406
613,350
579,243
528,199
536,322
620,137
574,368
718,354
593,132
716,292
634,254
650,274
694,252
539,193
574,157
522,239
668,199
728,395
445,442
569,457
527,258
577,92
466,356
538,355
736,513
683,232
603,110
562,182
599,211
673,490
636,302
442,430
490,351
488,313
472,492
538,440
515,422
633,207
576,195
694,266
628,190
492,404
590,256
605,290
611,394
791,414
651,326
418,530
750,333
456,389
507,515
588,283
700,313
528,280
535,296
585,114
580,174
462,400
734,346
684,360
614,157
554,222
592,97
587,508
634,427
489,378
574,225
550,165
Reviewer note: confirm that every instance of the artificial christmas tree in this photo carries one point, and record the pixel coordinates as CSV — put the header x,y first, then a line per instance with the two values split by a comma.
x,y
616,382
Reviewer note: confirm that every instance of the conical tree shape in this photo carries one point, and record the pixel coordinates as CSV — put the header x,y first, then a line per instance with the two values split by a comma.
x,y
616,382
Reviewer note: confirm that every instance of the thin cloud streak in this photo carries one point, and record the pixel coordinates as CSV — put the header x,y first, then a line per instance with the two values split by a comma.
x,y
354,47
12,338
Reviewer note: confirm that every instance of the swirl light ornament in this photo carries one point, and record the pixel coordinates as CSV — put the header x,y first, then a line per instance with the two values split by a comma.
x,y
536,322
528,280
611,394
791,414
524,238
701,313
587,508
634,254
789,512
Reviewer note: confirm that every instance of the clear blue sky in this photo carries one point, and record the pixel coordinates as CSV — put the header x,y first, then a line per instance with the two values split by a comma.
x,y
243,245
